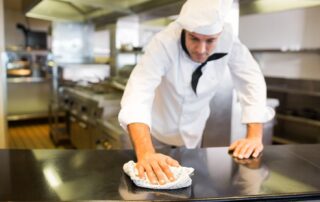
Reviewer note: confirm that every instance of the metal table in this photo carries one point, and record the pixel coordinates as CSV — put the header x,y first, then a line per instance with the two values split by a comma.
x,y
290,172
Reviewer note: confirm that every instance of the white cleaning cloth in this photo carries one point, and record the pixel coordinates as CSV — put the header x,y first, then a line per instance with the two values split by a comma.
x,y
181,174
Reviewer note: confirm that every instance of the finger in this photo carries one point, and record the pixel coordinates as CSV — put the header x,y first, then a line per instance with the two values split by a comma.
x,y
171,162
257,151
233,145
151,176
167,171
243,150
158,171
237,149
140,171
249,151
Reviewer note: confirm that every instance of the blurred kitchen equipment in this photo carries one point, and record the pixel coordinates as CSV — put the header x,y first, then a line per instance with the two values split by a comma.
x,y
77,92
71,42
85,109
125,71
18,65
18,72
298,115
27,70
126,47
33,39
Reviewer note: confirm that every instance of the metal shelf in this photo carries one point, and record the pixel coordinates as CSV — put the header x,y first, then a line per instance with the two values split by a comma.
x,y
129,52
315,50
281,140
27,116
118,85
293,91
301,120
27,80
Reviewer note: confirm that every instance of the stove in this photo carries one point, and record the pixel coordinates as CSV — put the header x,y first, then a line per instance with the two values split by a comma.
x,y
84,106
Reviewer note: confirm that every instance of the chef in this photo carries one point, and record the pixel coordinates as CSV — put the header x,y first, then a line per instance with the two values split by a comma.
x,y
167,96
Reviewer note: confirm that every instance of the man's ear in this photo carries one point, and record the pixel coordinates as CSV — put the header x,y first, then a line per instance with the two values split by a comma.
x,y
183,41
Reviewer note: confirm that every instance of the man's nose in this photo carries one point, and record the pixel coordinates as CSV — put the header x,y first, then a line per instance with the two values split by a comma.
x,y
201,48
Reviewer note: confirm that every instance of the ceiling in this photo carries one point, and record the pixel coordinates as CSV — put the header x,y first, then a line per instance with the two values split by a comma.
x,y
102,12
79,10
94,10
248,7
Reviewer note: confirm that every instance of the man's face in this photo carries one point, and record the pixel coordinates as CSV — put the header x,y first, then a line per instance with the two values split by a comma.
x,y
200,46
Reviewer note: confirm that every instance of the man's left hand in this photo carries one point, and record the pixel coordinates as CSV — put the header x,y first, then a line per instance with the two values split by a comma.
x,y
247,147
251,145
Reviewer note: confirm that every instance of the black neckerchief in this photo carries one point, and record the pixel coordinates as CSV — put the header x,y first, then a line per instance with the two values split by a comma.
x,y
198,72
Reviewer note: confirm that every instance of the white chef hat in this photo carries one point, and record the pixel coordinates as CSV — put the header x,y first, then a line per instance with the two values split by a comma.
x,y
204,16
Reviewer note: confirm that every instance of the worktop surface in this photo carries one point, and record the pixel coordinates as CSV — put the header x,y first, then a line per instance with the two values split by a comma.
x,y
282,172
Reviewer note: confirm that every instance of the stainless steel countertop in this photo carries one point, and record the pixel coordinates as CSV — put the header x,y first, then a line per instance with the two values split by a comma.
x,y
282,173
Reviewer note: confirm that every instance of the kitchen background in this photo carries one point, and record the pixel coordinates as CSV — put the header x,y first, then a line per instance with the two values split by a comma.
x,y
65,63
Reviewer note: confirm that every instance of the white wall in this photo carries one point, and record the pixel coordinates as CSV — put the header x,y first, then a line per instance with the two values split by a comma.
x,y
272,30
3,122
13,36
290,65
282,30
288,30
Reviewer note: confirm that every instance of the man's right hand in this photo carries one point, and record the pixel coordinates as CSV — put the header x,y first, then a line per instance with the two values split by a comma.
x,y
156,166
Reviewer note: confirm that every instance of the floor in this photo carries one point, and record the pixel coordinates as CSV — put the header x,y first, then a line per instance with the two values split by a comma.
x,y
31,135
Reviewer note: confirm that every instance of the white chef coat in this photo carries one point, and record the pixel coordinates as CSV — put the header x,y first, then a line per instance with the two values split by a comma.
x,y
159,92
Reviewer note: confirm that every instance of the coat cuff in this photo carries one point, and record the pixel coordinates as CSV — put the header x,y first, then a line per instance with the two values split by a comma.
x,y
126,118
257,114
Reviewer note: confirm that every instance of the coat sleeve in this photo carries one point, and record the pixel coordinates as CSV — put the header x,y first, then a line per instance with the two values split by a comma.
x,y
137,100
249,84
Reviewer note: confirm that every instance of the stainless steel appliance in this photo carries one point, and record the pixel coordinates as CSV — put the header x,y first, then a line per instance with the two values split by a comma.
x,y
110,135
83,77
28,84
82,120
85,109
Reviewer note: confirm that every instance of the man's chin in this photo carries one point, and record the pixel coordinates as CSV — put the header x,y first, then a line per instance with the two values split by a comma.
x,y
198,59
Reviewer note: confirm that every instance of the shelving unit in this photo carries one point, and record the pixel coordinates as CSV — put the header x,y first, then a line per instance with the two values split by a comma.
x,y
120,78
298,116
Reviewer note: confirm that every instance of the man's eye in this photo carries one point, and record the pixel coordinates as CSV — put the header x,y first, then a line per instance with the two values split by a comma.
x,y
210,41
194,39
